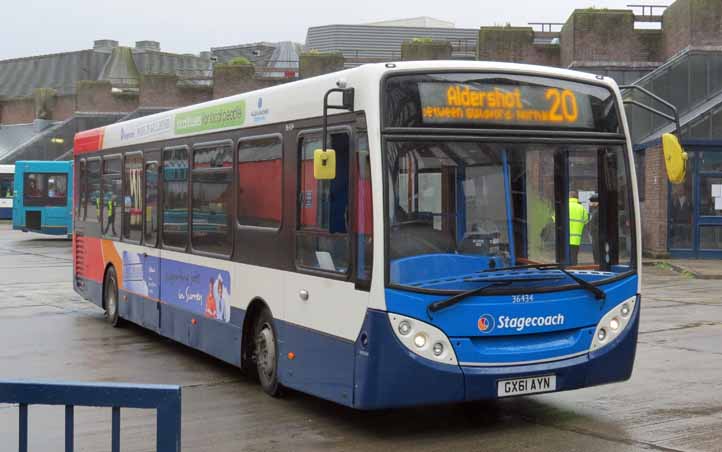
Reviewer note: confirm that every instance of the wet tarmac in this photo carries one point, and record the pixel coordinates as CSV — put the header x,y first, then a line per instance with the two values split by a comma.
x,y
672,403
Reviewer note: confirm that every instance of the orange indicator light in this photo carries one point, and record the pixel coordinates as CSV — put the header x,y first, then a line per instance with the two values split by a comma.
x,y
291,356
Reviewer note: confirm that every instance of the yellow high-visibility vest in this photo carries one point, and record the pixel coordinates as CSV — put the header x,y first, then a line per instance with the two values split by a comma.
x,y
578,218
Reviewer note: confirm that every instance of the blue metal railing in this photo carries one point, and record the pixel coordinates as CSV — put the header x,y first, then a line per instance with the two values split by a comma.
x,y
165,399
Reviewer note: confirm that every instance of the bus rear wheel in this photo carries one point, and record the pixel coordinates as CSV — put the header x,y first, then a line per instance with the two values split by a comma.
x,y
266,353
110,298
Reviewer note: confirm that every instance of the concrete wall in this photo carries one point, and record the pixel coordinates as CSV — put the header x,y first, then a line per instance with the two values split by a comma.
x,y
229,80
97,96
422,50
163,91
64,108
313,64
597,35
17,111
654,207
515,45
695,23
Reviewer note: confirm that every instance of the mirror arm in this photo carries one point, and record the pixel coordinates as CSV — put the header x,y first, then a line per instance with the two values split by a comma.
x,y
347,94
675,114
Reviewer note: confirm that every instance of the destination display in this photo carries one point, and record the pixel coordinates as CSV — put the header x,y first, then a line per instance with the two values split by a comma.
x,y
526,105
469,100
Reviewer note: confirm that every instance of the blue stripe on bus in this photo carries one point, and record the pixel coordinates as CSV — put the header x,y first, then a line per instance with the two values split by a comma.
x,y
376,371
6,213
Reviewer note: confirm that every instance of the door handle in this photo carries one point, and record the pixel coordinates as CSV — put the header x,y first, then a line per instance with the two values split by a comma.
x,y
303,294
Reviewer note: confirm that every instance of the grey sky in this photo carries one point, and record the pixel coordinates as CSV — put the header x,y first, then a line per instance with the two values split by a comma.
x,y
34,27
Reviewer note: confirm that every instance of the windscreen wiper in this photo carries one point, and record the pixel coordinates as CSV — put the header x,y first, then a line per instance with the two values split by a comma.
x,y
451,301
586,285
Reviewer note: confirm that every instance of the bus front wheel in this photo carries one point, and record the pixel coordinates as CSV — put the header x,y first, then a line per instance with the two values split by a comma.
x,y
266,353
110,298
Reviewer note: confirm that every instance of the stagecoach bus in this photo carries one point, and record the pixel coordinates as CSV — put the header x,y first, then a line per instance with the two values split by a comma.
x,y
7,174
43,197
390,235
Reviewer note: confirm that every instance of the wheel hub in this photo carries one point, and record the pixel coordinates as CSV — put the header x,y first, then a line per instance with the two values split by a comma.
x,y
266,351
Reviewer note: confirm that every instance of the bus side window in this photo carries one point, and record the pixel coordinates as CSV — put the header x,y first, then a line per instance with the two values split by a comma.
x,y
260,173
212,182
322,239
82,181
364,212
151,204
91,212
133,197
110,204
175,197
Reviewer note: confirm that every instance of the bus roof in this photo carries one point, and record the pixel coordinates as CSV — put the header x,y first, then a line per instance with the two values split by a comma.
x,y
276,104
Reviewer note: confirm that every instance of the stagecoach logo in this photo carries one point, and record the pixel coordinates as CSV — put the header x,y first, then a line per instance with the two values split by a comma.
x,y
486,323
259,115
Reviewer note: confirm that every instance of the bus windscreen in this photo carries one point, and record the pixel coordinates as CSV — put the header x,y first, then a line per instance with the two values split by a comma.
x,y
494,100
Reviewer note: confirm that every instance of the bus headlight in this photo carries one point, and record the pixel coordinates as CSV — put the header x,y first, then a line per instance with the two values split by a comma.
x,y
613,323
417,337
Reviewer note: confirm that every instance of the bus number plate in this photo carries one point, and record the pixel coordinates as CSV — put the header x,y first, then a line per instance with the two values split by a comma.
x,y
530,385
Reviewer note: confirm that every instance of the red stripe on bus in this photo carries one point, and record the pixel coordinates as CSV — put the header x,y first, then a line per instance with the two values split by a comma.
x,y
89,141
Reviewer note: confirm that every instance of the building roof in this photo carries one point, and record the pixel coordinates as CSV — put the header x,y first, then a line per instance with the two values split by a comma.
x,y
106,61
380,42
422,21
14,136
266,54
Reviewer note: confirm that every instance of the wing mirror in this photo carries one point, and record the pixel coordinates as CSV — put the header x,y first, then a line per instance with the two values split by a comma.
x,y
675,158
324,164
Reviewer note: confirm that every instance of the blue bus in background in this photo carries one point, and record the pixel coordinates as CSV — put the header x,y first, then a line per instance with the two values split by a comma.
x,y
43,197
6,191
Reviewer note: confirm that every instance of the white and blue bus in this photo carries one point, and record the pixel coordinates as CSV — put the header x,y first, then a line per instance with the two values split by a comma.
x,y
7,174
391,235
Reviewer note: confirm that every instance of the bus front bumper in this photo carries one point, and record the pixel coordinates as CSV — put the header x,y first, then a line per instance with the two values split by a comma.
x,y
388,375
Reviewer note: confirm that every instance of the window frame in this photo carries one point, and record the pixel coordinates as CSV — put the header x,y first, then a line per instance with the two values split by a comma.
x,y
162,200
237,180
158,189
349,275
123,187
199,147
82,182
98,159
44,200
103,175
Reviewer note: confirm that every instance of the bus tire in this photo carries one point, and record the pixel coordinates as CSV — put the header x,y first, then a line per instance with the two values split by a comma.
x,y
266,353
110,298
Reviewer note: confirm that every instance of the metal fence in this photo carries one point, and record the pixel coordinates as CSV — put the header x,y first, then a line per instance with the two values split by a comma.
x,y
165,399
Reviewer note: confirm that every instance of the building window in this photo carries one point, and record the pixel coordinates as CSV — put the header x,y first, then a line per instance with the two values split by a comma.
x,y
260,167
175,197
322,239
212,200
110,205
133,197
151,204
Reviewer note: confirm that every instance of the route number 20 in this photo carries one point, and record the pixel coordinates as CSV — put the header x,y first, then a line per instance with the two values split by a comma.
x,y
564,105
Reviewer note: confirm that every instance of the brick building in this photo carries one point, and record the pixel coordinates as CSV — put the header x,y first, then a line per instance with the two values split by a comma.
x,y
674,52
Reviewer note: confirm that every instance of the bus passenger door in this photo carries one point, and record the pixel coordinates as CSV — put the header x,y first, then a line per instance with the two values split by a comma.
x,y
324,307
